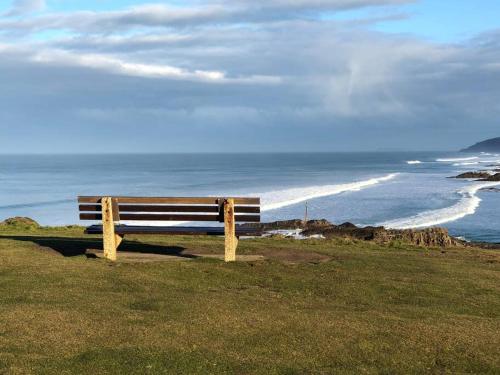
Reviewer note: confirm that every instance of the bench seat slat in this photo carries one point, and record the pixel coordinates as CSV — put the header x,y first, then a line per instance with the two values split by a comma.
x,y
174,230
170,217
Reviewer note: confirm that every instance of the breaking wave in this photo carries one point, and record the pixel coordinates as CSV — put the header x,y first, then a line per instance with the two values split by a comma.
x,y
282,198
466,163
467,205
411,162
452,160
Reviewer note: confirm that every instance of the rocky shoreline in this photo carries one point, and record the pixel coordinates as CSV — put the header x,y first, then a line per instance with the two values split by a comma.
x,y
430,237
484,176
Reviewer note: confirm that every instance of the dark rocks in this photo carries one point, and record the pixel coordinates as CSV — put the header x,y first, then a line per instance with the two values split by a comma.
x,y
479,174
346,230
492,189
431,237
492,178
289,224
20,222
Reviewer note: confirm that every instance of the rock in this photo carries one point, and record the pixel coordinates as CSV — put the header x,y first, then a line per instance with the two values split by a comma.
x,y
492,178
289,224
493,189
430,237
479,174
276,225
20,222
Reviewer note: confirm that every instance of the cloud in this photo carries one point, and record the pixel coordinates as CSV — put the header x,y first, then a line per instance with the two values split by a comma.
x,y
20,7
168,16
281,80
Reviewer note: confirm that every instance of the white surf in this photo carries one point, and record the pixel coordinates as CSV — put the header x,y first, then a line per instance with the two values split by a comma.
x,y
466,205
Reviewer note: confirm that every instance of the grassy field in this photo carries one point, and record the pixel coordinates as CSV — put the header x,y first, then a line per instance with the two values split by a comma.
x,y
315,306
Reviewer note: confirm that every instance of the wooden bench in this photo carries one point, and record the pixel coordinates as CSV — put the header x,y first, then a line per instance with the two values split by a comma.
x,y
111,210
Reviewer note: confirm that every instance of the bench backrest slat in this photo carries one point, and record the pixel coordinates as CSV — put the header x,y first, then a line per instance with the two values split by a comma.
x,y
171,200
170,209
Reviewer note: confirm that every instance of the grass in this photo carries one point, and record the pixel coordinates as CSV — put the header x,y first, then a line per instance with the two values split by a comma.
x,y
315,306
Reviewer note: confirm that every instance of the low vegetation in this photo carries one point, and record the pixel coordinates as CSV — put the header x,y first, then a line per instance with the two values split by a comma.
x,y
313,306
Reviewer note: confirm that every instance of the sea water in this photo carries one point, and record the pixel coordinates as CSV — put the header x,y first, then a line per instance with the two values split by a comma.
x,y
394,189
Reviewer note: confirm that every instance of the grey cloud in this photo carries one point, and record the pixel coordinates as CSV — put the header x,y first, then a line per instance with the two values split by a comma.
x,y
158,15
20,7
337,87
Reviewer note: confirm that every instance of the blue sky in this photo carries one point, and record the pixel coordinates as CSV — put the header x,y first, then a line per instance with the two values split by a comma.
x,y
447,20
301,75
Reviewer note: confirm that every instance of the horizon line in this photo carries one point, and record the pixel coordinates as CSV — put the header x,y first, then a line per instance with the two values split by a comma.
x,y
216,152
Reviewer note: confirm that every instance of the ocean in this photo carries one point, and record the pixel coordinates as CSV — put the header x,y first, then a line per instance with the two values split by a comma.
x,y
394,189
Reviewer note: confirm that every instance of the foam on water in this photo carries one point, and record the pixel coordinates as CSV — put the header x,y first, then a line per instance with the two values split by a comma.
x,y
411,162
296,234
466,163
282,198
451,160
467,204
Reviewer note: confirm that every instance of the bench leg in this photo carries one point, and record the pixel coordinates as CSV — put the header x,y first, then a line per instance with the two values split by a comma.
x,y
118,240
230,240
109,237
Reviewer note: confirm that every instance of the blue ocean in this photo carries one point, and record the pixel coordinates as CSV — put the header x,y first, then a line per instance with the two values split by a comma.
x,y
394,189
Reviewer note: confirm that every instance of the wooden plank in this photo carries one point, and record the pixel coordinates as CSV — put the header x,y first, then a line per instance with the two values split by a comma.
x,y
91,217
172,217
171,200
116,211
122,230
169,208
230,240
108,232
168,217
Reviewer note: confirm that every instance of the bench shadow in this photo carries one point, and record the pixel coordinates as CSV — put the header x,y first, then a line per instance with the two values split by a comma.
x,y
70,247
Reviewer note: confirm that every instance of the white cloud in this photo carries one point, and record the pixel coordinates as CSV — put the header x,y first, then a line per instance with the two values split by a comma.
x,y
117,66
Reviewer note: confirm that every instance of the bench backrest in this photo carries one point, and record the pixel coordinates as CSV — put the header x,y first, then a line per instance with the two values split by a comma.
x,y
170,208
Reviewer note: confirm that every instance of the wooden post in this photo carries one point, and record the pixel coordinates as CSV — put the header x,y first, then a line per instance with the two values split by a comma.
x,y
305,217
231,242
108,229
116,218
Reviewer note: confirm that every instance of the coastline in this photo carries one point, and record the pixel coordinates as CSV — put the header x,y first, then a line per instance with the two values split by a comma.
x,y
367,189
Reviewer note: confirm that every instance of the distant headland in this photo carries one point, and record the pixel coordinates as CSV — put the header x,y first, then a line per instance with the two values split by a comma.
x,y
490,145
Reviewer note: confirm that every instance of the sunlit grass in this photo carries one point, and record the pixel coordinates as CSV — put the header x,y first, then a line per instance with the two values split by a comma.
x,y
316,306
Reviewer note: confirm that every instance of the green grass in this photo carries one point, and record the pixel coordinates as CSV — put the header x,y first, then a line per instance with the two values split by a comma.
x,y
316,306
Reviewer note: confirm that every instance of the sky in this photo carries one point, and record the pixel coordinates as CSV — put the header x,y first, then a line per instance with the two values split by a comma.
x,y
109,76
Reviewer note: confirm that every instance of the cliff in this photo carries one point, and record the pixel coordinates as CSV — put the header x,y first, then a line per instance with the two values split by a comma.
x,y
490,145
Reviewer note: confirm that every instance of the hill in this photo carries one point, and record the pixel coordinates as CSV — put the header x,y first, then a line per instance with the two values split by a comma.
x,y
314,306
490,145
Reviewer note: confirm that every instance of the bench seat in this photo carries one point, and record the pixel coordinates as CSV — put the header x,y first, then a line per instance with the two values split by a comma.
x,y
172,230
